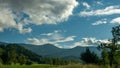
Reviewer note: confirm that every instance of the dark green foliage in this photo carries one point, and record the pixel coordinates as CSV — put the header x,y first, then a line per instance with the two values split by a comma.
x,y
58,61
89,57
22,59
111,50
13,53
105,57
1,52
29,62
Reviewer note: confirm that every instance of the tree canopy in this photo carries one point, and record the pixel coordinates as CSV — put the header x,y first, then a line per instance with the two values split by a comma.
x,y
111,50
89,57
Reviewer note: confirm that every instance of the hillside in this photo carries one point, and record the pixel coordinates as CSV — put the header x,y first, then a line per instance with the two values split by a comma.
x,y
14,53
49,50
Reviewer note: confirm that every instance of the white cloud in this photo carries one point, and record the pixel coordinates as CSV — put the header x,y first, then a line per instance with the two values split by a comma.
x,y
103,21
99,3
116,20
67,39
89,42
107,11
7,22
86,5
23,30
37,41
51,11
39,12
55,38
84,42
6,19
51,34
42,41
56,35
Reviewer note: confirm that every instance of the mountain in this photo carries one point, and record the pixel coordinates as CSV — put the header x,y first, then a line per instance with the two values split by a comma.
x,y
43,50
49,50
15,53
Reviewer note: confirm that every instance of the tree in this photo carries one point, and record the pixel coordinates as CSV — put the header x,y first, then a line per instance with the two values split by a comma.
x,y
112,48
22,59
11,51
1,52
9,55
89,57
105,56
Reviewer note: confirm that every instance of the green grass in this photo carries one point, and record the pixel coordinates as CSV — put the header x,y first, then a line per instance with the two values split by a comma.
x,y
81,66
29,66
55,66
87,66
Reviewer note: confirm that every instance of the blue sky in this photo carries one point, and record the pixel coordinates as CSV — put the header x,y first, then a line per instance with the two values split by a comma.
x,y
64,23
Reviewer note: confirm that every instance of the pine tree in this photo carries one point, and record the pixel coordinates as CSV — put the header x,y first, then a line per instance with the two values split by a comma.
x,y
89,57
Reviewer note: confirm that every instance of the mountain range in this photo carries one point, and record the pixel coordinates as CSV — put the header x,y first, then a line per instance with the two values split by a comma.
x,y
49,50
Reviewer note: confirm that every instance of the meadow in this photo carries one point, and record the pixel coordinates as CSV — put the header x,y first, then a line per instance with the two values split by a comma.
x,y
54,66
29,66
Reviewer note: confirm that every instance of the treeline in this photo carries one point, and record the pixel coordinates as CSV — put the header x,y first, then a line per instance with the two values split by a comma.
x,y
110,51
13,53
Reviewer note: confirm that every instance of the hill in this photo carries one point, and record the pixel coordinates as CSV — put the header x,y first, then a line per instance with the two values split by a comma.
x,y
49,50
16,53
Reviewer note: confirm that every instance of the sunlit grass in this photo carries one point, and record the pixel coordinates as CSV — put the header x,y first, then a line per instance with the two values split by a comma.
x,y
56,66
80,66
29,66
87,66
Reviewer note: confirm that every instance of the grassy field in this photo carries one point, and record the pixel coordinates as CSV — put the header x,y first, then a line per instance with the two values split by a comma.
x,y
82,66
53,66
29,66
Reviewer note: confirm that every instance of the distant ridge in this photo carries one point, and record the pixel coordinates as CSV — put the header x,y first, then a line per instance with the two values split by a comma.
x,y
49,50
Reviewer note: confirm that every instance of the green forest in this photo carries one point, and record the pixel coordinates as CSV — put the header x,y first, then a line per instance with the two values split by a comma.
x,y
13,53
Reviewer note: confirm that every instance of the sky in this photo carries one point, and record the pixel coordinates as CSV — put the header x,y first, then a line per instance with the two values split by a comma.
x,y
64,23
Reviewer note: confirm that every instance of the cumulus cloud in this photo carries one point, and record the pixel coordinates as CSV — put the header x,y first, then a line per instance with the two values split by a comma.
x,y
67,39
23,30
86,5
7,22
55,35
89,42
37,41
84,42
43,41
38,11
116,20
6,19
100,12
55,38
103,21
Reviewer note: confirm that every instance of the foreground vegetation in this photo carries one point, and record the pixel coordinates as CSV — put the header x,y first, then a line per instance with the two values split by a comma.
x,y
56,66
29,66
13,54
110,52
